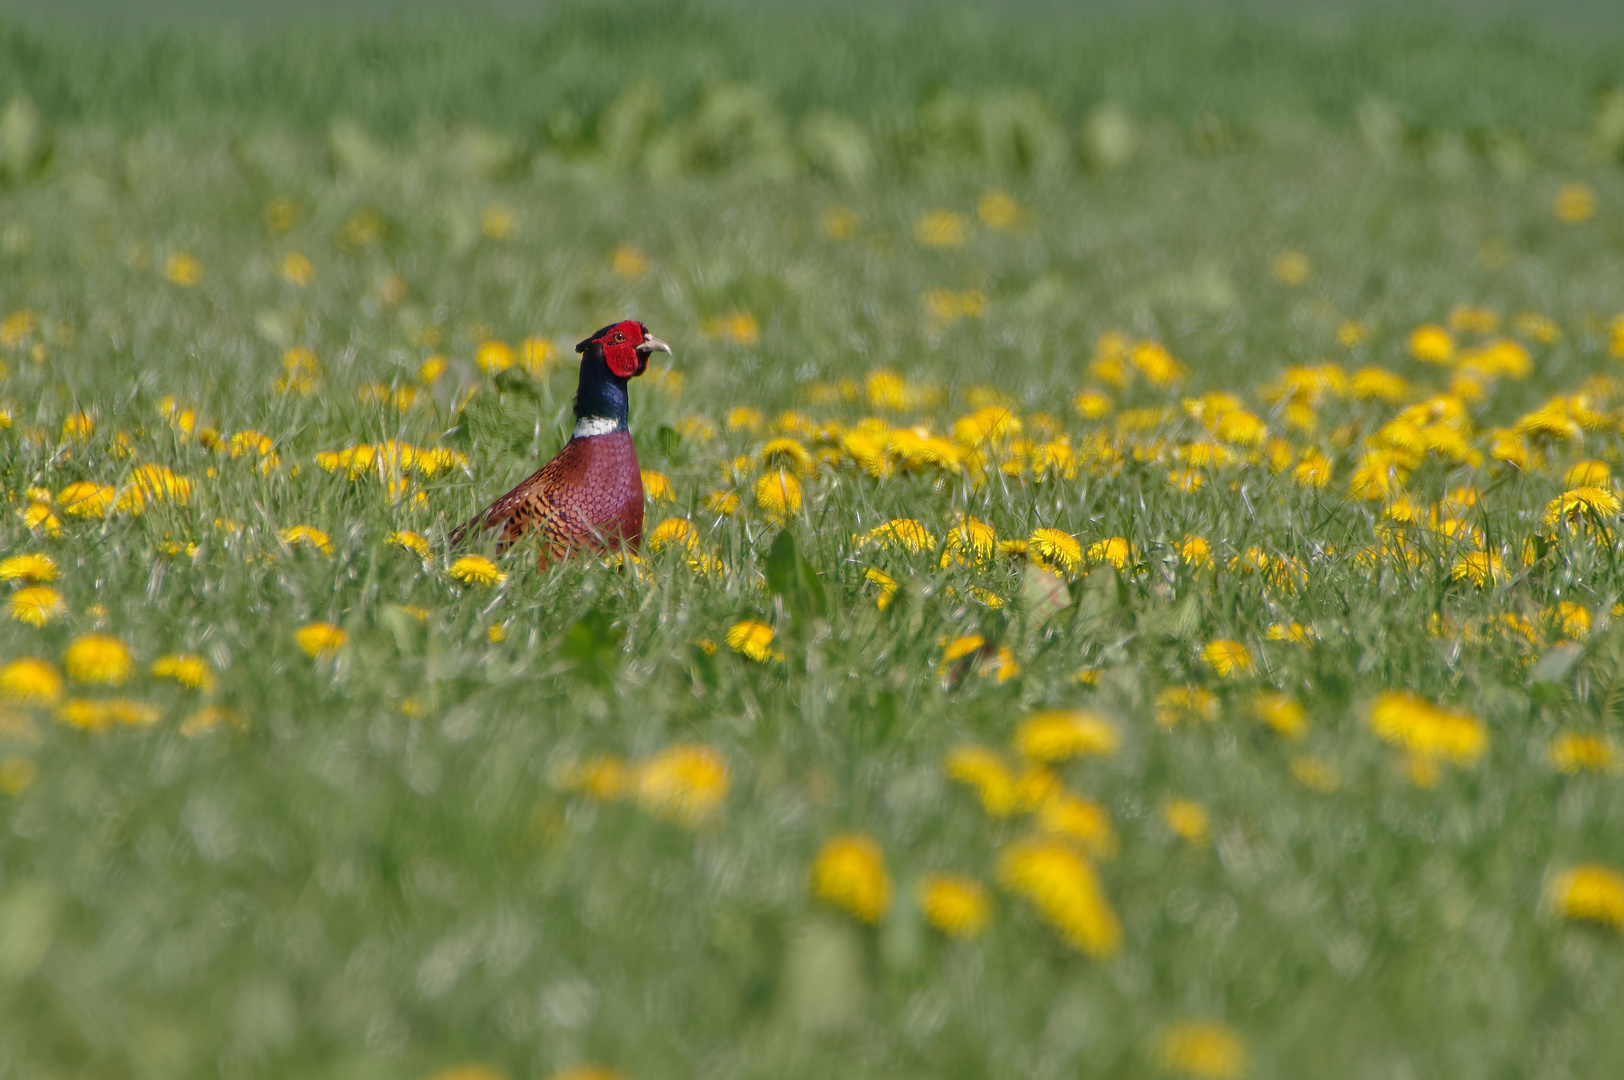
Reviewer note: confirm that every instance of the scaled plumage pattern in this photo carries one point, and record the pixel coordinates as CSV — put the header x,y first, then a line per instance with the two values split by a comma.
x,y
590,496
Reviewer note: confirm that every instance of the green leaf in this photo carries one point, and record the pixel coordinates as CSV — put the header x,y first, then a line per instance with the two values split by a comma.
x,y
670,441
791,577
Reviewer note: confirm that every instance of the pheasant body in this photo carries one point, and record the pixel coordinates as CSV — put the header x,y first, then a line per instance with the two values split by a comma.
x,y
590,496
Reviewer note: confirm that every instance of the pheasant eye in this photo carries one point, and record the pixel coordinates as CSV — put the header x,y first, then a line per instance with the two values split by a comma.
x,y
620,337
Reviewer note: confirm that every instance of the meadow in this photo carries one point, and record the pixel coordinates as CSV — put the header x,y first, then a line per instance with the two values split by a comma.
x,y
1129,586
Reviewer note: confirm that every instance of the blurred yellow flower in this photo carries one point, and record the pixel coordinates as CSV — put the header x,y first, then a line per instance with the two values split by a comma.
x,y
31,567
940,228
320,639
1060,734
884,584
497,221
1115,550
685,783
29,681
657,487
778,493
1188,820
904,533
183,269
37,605
1428,732
1084,822
17,775
415,543
1281,712
1185,703
1572,752
307,536
1430,344
476,570
297,270
1590,893
1574,203
1205,1050
495,357
431,370
97,658
839,223
1292,267
997,210
1227,657
985,771
192,672
956,906
754,640
1580,506
628,262
1061,884
740,328
1055,550
722,502
849,873
1315,773
86,498
673,530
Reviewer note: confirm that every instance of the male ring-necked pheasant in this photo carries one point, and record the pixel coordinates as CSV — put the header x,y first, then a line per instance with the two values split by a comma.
x,y
589,497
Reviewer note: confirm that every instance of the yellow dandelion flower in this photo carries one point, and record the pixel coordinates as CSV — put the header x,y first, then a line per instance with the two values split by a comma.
x,y
1428,732
1431,344
839,223
1061,734
183,269
86,498
320,639
1056,550
657,487
97,658
1080,820
1572,752
969,542
37,605
1188,820
849,873
297,269
778,493
960,647
1185,703
1315,773
740,328
300,369
32,567
985,771
1292,267
940,229
903,533
1482,568
1114,550
306,536
431,369
29,681
15,328
476,570
1592,474
685,783
956,906
1571,618
787,453
1061,884
628,262
744,418
17,775
495,357
1227,657
1091,404
885,586
673,530
1588,893
1581,505
722,502
192,672
413,542
1574,203
37,517
1202,1049
603,778
1281,712
997,210
754,640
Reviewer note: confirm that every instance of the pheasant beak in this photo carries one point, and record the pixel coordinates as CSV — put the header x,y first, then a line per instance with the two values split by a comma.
x,y
652,344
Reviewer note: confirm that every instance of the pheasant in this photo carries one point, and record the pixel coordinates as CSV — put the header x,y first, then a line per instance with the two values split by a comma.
x,y
590,496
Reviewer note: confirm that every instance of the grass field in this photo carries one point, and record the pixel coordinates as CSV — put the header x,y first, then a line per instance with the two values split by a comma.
x,y
1132,587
